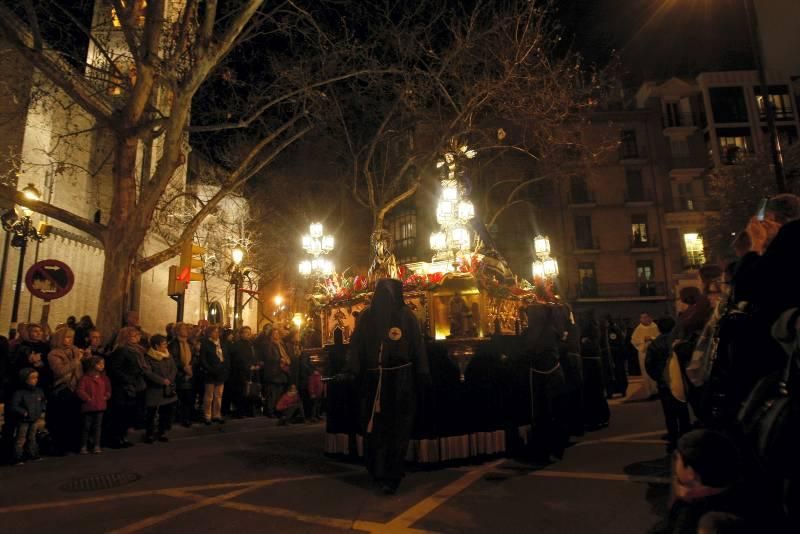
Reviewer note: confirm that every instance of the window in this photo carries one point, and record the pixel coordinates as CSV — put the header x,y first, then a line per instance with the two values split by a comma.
x,y
629,148
404,230
634,185
786,134
727,104
686,197
695,249
587,280
645,277
679,148
583,232
734,144
579,190
639,235
780,99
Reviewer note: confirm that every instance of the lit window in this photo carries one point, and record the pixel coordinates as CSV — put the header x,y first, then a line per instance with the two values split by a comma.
x,y
695,250
639,230
404,229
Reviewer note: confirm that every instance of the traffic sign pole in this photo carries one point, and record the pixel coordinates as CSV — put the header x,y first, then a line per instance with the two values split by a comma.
x,y
18,288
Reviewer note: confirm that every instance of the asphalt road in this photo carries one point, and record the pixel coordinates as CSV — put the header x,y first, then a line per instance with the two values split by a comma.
x,y
252,476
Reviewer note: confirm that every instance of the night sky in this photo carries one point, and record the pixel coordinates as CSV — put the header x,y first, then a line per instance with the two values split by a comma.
x,y
657,39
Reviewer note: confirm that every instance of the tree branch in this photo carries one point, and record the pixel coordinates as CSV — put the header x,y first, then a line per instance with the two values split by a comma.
x,y
54,67
94,229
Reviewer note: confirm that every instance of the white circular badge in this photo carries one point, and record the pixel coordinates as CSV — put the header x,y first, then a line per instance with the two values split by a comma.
x,y
395,333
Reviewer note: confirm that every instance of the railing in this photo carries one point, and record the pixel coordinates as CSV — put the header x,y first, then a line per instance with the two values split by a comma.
x,y
587,244
694,203
581,196
640,243
639,196
628,151
682,119
591,289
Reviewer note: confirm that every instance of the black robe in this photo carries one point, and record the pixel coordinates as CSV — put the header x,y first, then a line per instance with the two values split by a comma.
x,y
387,337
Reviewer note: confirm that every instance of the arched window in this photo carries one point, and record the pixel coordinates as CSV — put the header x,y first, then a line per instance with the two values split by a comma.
x,y
215,315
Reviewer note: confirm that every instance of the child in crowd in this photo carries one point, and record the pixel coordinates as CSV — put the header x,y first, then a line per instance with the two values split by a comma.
x,y
27,405
315,390
289,406
706,478
94,390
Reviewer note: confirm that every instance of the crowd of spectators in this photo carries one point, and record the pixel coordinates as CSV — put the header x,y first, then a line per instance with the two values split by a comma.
x,y
76,390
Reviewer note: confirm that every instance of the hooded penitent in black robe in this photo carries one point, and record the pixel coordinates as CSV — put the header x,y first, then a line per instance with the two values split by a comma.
x,y
387,357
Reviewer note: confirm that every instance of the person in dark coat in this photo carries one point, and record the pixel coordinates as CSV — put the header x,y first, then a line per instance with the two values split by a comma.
x,y
126,371
216,367
547,385
595,406
387,357
615,341
245,368
27,405
180,348
277,367
161,395
572,365
82,329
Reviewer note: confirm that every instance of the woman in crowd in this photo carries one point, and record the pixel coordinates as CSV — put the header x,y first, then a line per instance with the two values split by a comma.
x,y
215,372
126,371
276,371
245,369
181,350
65,362
161,395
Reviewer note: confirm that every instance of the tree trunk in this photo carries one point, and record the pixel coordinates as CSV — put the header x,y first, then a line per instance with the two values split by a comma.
x,y
117,271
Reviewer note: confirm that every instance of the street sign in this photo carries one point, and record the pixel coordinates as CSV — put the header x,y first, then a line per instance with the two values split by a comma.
x,y
49,279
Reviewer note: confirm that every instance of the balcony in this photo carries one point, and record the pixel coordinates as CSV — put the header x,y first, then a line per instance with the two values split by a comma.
x,y
696,203
629,153
684,119
590,291
640,246
587,246
582,198
639,198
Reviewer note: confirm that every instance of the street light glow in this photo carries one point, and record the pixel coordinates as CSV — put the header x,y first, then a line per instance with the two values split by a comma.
x,y
31,193
278,300
237,254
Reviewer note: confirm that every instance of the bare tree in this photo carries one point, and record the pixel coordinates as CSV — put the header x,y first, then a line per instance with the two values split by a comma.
x,y
146,63
460,74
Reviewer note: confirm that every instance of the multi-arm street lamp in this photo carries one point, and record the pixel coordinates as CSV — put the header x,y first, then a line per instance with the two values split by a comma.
x,y
18,223
544,266
317,245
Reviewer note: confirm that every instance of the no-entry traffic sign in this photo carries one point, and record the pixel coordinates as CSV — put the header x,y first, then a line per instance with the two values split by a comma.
x,y
49,279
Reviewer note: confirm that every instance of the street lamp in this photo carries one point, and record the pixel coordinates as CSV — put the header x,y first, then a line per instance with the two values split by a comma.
x,y
317,244
544,266
18,223
237,255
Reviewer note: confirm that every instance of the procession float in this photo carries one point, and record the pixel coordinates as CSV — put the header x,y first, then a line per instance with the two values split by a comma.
x,y
472,311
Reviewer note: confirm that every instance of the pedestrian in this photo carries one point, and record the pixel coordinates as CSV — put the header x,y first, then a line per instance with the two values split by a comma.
x,y
27,406
289,407
641,338
245,379
546,385
615,339
572,366
94,390
126,371
63,417
215,372
82,331
596,413
659,358
277,366
94,344
707,473
315,391
161,394
181,350
387,357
